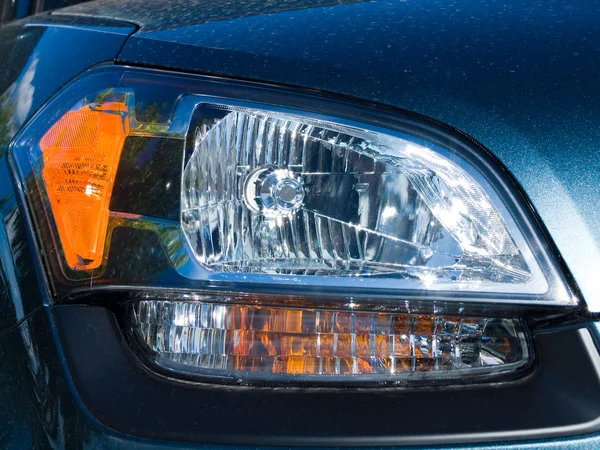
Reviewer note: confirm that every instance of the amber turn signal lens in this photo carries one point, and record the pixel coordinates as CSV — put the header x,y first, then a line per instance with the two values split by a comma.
x,y
81,154
230,339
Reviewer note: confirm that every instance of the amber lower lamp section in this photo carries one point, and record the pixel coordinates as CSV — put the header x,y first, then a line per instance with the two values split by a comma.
x,y
219,339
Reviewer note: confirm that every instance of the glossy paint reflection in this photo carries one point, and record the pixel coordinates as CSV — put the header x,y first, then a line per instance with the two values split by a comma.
x,y
21,294
63,50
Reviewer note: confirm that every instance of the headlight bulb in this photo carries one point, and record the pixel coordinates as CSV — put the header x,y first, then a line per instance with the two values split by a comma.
x,y
273,192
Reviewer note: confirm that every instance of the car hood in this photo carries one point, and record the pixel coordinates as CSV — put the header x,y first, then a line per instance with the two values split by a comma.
x,y
521,78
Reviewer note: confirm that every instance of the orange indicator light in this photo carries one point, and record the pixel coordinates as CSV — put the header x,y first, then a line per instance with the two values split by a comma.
x,y
81,154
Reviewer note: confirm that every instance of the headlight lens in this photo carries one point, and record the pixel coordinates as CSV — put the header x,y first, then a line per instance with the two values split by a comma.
x,y
342,242
276,193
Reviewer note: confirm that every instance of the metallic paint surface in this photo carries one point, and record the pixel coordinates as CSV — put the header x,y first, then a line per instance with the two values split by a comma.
x,y
520,78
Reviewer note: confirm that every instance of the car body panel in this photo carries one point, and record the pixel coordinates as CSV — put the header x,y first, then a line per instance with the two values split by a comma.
x,y
507,89
515,77
37,70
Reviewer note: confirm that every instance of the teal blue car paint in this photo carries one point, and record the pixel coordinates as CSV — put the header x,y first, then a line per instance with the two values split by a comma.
x,y
521,78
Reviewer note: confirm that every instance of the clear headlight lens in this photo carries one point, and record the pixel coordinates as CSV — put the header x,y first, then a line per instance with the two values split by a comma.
x,y
277,193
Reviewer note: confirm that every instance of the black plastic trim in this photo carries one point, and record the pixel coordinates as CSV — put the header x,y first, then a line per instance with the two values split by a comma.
x,y
562,398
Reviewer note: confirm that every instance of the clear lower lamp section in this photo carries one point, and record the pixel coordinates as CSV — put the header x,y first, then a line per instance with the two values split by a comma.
x,y
276,343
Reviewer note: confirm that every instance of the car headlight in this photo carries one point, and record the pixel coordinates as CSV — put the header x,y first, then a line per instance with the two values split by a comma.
x,y
268,234
272,192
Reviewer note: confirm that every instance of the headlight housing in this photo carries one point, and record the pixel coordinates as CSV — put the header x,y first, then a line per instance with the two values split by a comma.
x,y
279,193
264,234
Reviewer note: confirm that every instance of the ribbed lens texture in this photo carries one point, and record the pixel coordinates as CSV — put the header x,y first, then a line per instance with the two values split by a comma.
x,y
234,339
277,194
80,157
